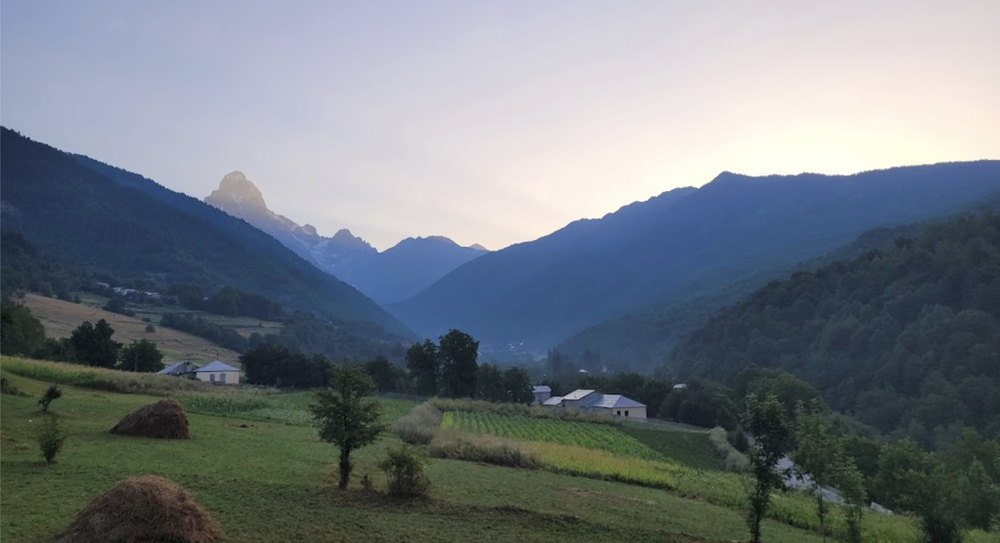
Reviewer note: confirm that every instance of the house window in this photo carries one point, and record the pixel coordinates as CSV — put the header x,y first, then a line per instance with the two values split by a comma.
x,y
626,412
222,378
211,377
619,412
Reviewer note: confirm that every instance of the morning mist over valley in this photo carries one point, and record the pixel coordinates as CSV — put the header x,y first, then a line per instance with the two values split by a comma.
x,y
441,271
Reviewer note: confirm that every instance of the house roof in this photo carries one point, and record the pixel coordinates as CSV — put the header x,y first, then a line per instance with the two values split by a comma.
x,y
215,366
615,401
553,401
178,368
542,388
578,394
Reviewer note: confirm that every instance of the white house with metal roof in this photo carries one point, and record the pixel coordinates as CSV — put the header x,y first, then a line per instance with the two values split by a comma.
x,y
542,394
219,373
615,405
179,369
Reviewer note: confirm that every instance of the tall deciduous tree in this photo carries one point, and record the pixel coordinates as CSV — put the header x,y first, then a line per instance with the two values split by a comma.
x,y
141,356
346,416
518,385
20,332
92,345
459,354
765,420
819,451
425,367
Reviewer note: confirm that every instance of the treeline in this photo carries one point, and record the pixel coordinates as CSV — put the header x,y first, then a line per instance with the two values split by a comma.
x,y
21,334
228,301
224,336
905,339
450,369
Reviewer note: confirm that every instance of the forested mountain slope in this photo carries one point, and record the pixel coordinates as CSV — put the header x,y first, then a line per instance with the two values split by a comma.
x,y
71,208
907,337
678,247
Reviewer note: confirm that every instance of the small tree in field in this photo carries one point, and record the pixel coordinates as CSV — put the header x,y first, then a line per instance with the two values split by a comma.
x,y
346,416
404,467
765,420
50,438
52,393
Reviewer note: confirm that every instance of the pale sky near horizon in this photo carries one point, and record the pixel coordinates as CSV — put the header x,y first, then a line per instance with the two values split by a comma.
x,y
497,122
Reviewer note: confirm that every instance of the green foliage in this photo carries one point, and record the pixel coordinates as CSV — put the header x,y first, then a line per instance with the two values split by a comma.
x,y
7,387
224,336
20,332
346,416
851,484
117,304
503,386
458,353
93,346
50,437
141,356
404,469
516,409
701,403
906,338
150,329
425,367
765,420
52,393
483,448
100,378
269,364
419,426
734,460
819,452
387,376
648,390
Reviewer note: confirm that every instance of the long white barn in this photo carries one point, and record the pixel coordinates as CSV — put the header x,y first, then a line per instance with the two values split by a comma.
x,y
615,405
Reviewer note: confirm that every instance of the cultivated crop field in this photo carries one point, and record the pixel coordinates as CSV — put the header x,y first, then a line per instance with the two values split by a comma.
x,y
589,436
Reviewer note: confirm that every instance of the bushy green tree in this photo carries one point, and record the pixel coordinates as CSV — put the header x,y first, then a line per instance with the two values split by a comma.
x,y
819,452
459,353
765,420
387,376
425,367
346,416
518,385
93,346
20,332
141,356
50,437
51,394
404,468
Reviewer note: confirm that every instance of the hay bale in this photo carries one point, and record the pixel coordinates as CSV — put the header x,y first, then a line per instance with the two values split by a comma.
x,y
146,509
164,419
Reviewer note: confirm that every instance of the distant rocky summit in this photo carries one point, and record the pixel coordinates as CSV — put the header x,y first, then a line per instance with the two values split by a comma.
x,y
390,276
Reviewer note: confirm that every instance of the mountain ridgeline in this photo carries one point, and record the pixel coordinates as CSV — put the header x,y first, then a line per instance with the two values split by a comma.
x,y
907,337
390,276
679,248
96,217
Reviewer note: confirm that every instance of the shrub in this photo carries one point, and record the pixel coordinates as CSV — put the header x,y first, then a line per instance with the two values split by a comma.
x,y
734,459
53,393
50,438
150,328
420,426
366,482
516,409
482,448
6,387
404,468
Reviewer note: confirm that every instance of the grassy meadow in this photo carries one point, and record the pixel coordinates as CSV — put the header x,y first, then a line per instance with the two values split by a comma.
x,y
255,463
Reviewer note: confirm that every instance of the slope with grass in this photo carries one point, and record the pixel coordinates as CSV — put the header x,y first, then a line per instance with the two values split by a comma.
x,y
61,318
269,481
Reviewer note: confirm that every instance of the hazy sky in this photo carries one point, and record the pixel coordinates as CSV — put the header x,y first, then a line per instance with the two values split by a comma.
x,y
497,122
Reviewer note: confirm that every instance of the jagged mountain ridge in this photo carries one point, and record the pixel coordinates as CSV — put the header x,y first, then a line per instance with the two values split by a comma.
x,y
678,247
393,275
94,216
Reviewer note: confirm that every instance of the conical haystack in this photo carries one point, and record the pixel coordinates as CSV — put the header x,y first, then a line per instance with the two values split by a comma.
x,y
146,509
164,419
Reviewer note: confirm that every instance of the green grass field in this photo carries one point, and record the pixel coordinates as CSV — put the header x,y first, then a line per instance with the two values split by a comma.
x,y
272,480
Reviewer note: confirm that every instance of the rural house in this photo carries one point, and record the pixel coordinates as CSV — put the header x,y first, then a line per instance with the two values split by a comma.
x,y
218,373
615,405
542,393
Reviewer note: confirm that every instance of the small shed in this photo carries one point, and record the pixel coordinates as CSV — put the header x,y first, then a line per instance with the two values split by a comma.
x,y
218,372
542,393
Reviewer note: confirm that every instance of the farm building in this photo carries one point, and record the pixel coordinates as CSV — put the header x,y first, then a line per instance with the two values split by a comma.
x,y
179,369
542,393
615,405
218,373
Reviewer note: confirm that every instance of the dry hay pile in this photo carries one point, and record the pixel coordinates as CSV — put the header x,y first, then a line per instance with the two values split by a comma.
x,y
147,509
164,419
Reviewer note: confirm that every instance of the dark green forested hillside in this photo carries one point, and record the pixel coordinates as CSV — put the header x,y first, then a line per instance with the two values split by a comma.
x,y
89,221
906,338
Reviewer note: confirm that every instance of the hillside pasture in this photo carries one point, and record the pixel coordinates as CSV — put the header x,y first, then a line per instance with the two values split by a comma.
x,y
268,481
60,318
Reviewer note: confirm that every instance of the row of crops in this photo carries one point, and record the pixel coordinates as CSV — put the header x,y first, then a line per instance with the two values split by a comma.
x,y
591,436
